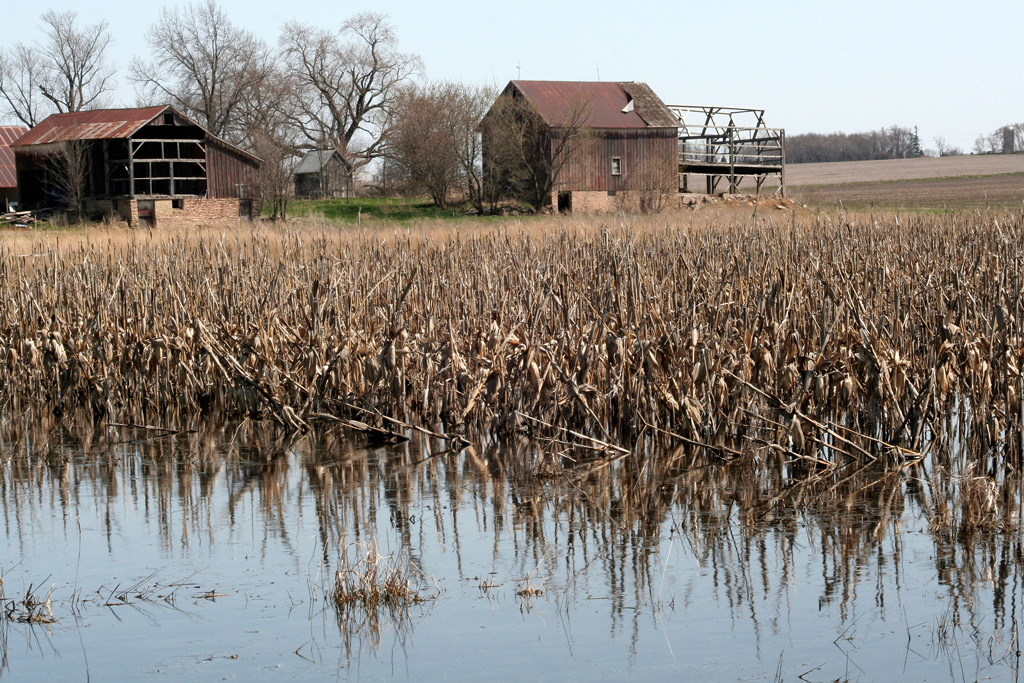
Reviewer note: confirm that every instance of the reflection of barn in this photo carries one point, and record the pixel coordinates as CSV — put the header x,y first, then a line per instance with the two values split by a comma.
x,y
142,166
320,174
8,178
637,145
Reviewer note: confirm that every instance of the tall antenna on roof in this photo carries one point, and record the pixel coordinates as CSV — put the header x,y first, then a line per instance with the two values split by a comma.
x,y
598,72
519,71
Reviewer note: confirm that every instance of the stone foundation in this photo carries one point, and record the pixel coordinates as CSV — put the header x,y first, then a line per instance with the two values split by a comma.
x,y
169,213
592,202
108,209
627,201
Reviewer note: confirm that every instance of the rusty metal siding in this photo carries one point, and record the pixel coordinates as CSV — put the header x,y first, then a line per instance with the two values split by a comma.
x,y
8,134
227,169
648,159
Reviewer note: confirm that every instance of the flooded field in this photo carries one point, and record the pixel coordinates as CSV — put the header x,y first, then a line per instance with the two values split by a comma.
x,y
212,555
746,445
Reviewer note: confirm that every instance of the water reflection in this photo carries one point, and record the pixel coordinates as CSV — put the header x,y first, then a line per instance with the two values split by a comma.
x,y
673,560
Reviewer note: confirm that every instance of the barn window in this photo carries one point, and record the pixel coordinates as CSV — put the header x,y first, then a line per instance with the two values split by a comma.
x,y
178,204
616,165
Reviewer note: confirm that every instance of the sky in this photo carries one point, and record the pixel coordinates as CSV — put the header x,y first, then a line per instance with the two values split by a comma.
x,y
952,69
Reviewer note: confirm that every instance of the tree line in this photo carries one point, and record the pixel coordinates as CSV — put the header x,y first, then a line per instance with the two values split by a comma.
x,y
895,142
351,89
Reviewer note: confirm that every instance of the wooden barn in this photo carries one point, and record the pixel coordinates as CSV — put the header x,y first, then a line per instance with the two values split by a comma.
x,y
625,148
8,177
143,166
321,174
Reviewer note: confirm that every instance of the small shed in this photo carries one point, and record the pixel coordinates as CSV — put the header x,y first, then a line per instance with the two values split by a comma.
x,y
628,150
144,166
8,177
321,174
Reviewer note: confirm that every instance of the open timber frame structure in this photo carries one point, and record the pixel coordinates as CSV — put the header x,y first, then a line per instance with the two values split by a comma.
x,y
140,165
729,143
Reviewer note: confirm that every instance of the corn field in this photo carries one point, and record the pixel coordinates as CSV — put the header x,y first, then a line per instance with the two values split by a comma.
x,y
827,340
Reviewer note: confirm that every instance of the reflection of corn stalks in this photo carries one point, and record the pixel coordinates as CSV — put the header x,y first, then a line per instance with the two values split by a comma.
x,y
973,505
978,502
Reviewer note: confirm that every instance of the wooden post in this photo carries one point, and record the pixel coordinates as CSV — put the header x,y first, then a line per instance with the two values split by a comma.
x,y
782,156
131,169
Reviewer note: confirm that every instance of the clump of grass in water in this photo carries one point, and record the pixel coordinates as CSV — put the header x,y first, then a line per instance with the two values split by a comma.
x,y
30,609
374,593
375,581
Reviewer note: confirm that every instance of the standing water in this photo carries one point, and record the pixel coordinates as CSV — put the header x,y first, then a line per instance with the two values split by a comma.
x,y
234,554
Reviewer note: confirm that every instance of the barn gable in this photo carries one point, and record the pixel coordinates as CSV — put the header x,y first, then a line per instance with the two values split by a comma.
x,y
141,163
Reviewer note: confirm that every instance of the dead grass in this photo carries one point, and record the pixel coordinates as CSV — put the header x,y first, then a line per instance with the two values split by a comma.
x,y
828,337
374,581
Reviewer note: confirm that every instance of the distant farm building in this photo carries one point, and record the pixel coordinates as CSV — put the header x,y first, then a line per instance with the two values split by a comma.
x,y
321,174
628,145
143,166
8,177
633,147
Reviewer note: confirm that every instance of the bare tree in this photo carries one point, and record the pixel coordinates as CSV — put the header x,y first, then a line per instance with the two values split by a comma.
x,y
278,159
347,83
206,66
419,143
67,71
524,156
67,170
989,144
435,141
467,106
76,74
21,71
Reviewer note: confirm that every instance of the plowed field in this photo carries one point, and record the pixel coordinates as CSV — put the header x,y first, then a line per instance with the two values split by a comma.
x,y
971,182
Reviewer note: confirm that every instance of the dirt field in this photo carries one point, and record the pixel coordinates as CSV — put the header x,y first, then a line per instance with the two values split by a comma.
x,y
984,192
902,169
966,182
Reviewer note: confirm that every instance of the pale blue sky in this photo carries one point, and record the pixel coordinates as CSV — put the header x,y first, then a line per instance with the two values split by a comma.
x,y
952,68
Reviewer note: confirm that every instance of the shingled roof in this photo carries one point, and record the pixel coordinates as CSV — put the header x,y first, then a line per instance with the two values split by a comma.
x,y
9,134
314,161
611,104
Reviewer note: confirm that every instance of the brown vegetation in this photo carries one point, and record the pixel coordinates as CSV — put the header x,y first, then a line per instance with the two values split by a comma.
x,y
830,341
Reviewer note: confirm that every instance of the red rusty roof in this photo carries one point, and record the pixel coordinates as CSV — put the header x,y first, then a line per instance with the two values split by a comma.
x,y
105,124
8,134
98,124
608,102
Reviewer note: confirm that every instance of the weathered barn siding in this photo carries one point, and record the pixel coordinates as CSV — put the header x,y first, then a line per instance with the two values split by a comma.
x,y
8,175
229,174
647,161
